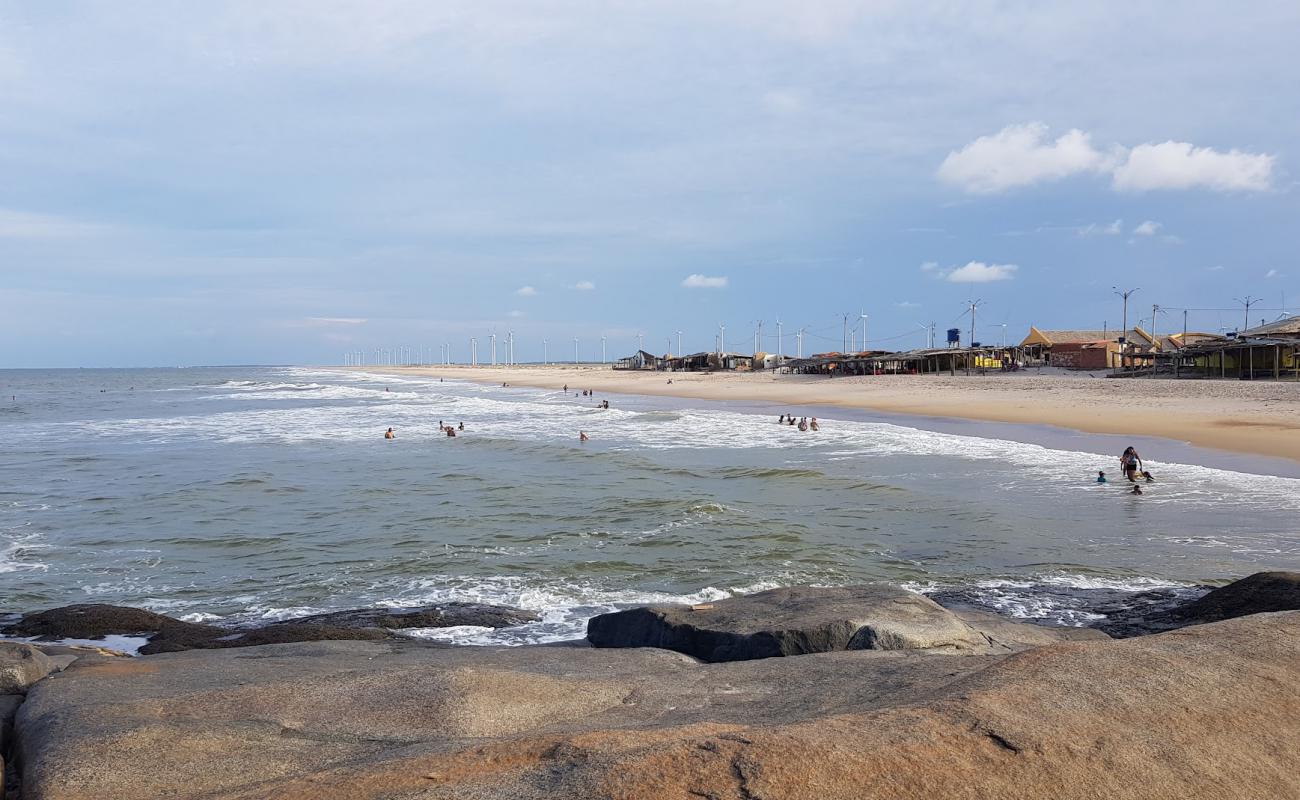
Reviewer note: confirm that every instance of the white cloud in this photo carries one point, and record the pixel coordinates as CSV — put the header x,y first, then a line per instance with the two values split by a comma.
x,y
1215,268
25,225
704,282
1148,228
336,320
979,272
907,304
1272,273
1112,229
515,314
1022,155
584,286
1181,165
1019,155
525,291
929,266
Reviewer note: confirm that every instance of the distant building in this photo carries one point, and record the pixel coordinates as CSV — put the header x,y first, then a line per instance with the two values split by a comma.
x,y
640,360
1041,345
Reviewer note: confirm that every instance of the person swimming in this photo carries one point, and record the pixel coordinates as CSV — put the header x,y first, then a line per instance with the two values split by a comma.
x,y
813,425
781,421
1101,477
462,426
388,434
803,424
1136,489
582,436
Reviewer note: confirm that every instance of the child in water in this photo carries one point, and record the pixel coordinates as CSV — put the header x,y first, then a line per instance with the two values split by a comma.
x,y
1101,477
1137,489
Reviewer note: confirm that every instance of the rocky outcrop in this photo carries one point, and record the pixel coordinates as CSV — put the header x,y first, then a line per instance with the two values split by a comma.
x,y
445,615
1259,593
792,621
1177,715
21,665
168,635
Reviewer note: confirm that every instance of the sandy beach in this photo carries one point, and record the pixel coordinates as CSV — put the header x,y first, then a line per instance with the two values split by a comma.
x,y
1260,418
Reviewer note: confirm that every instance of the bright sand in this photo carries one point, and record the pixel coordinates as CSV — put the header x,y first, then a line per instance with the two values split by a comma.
x,y
1248,417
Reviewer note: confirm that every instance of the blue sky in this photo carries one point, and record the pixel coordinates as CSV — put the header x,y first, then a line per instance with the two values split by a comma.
x,y
281,182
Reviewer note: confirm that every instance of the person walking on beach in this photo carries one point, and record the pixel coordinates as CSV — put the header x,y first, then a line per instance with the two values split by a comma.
x,y
1130,463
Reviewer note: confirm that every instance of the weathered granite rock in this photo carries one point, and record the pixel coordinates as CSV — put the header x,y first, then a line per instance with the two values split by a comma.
x,y
792,621
9,704
1177,715
1259,593
21,665
438,616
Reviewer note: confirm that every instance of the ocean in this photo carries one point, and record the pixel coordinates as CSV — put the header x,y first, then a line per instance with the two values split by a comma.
x,y
244,494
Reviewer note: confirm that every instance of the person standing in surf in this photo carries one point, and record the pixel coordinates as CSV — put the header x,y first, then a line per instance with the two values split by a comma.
x,y
1130,463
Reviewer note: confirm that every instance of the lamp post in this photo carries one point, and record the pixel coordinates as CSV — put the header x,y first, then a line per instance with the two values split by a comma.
x,y
1123,333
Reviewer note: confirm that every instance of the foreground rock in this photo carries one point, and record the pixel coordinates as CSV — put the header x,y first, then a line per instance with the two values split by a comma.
x,y
168,635
21,665
793,621
1177,715
1259,593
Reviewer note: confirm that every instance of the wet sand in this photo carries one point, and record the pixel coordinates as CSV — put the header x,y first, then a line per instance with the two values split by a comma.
x,y
1261,417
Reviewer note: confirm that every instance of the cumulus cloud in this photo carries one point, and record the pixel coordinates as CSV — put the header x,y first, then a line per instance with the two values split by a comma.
x,y
698,281
1020,155
1110,229
1148,228
979,272
525,291
1181,165
1023,155
584,286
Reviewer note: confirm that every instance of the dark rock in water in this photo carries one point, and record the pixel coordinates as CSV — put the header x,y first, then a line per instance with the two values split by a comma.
x,y
1211,712
791,621
93,621
445,615
1255,594
172,640
1260,593
167,634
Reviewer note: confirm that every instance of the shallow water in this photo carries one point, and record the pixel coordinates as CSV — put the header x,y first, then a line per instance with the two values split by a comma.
x,y
238,494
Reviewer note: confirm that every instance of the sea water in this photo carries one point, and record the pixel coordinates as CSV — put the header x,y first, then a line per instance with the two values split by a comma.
x,y
237,495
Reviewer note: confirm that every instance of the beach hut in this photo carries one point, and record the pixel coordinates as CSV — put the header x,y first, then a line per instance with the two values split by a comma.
x,y
640,360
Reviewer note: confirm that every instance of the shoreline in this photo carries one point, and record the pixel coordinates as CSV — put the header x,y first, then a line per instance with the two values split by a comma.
x,y
1261,418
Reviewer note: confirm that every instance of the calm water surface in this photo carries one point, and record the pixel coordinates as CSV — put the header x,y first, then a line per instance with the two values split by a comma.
x,y
238,494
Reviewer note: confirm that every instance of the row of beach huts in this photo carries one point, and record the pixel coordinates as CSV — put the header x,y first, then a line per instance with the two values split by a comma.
x,y
1269,351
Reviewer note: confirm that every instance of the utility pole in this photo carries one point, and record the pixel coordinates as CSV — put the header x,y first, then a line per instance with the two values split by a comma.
x,y
1184,327
844,337
925,333
1123,332
1248,302
974,304
758,335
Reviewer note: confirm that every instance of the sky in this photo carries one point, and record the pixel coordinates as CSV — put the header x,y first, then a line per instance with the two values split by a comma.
x,y
252,181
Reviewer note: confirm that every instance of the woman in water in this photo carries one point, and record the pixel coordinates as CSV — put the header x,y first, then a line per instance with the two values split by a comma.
x,y
1130,463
